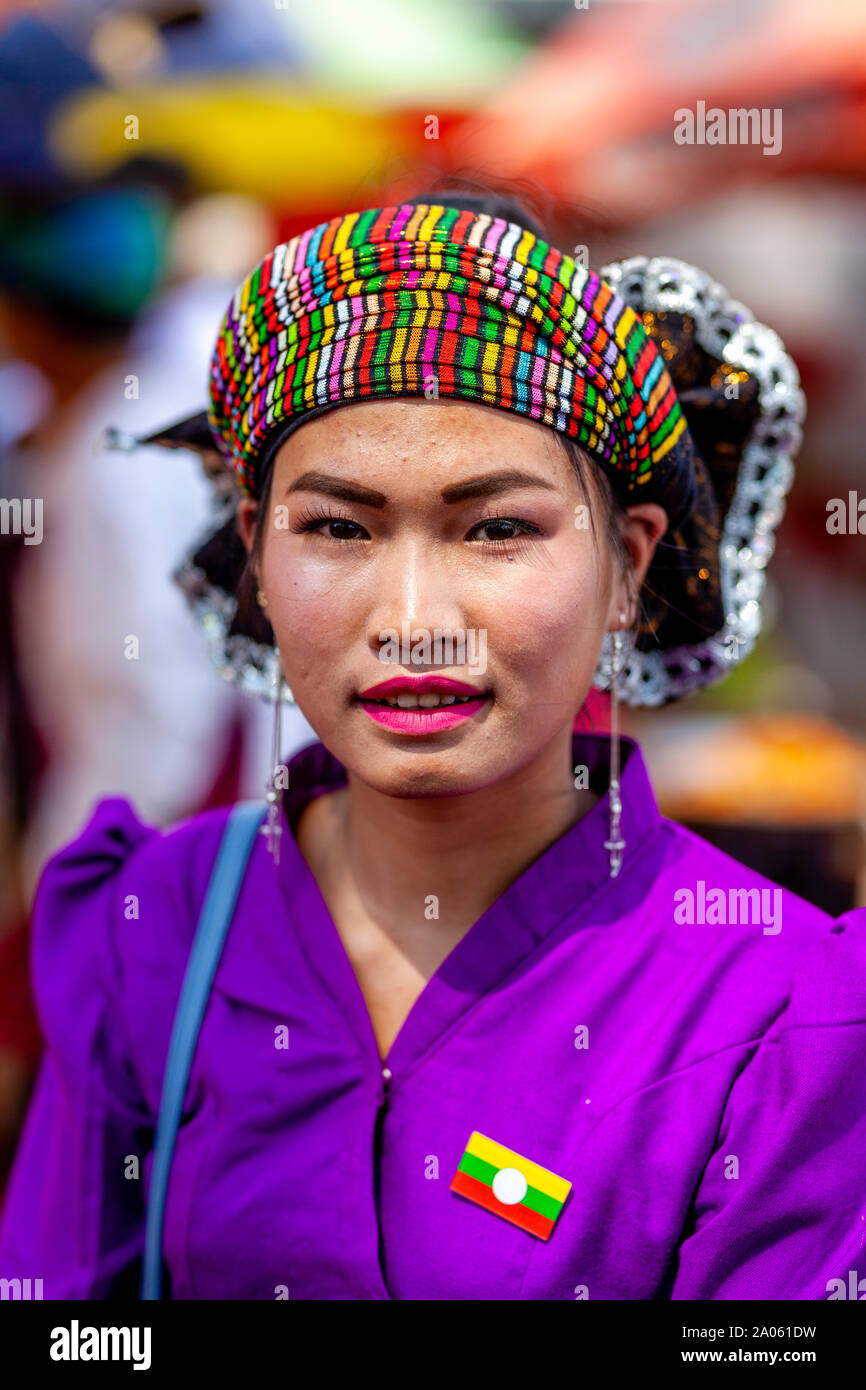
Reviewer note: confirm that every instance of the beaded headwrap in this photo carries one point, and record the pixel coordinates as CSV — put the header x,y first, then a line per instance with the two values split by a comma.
x,y
426,299
668,385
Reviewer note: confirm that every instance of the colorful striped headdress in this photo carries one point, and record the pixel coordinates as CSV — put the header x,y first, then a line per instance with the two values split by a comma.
x,y
431,300
668,384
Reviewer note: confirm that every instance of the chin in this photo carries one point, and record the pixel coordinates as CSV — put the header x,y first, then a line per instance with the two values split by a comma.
x,y
413,773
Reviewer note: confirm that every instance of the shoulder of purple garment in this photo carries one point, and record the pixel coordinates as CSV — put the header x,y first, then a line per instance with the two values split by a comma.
x,y
843,963
687,856
116,840
853,921
121,886
799,937
106,840
824,959
827,996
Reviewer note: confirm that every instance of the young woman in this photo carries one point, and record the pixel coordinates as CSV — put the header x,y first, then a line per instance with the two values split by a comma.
x,y
482,1024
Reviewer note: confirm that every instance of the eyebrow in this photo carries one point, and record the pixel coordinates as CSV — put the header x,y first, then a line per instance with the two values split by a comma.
x,y
489,484
486,485
337,487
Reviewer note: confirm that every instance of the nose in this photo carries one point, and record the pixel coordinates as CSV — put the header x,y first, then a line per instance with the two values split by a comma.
x,y
414,588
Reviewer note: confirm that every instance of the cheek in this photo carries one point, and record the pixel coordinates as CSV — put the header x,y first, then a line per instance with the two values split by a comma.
x,y
549,620
314,617
303,588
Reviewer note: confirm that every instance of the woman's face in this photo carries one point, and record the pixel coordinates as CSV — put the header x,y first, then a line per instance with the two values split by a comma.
x,y
395,523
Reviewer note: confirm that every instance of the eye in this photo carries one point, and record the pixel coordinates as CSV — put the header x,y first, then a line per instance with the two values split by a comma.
x,y
503,531
334,526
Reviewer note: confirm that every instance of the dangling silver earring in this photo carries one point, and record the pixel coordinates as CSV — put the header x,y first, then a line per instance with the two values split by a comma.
x,y
272,827
615,844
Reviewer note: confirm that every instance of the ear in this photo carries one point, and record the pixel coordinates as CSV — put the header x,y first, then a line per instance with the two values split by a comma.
x,y
641,530
248,510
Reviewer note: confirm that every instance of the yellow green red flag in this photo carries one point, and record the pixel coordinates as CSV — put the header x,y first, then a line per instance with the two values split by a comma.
x,y
510,1185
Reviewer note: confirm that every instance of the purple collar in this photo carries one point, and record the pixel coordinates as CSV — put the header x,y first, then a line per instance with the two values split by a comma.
x,y
543,893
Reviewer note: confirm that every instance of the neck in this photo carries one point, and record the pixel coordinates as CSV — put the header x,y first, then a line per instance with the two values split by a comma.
x,y
389,854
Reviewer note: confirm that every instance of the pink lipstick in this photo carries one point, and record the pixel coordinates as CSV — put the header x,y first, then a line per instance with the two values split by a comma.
x,y
423,704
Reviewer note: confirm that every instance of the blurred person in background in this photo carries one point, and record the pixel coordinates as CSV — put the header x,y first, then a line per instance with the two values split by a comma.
x,y
110,290
150,722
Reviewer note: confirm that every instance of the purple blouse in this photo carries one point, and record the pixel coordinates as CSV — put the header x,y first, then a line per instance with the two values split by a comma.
x,y
701,1083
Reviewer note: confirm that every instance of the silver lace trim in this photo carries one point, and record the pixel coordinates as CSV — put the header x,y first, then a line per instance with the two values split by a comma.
x,y
251,666
728,331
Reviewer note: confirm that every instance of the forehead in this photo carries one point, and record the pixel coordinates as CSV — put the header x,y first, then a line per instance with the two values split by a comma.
x,y
410,434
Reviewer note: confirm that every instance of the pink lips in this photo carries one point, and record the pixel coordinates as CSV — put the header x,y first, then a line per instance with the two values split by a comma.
x,y
421,721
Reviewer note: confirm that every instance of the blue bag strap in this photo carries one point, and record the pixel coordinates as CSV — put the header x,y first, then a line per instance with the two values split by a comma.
x,y
213,923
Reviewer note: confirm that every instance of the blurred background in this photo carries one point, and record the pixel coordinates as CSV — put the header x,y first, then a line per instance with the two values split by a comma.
x,y
153,150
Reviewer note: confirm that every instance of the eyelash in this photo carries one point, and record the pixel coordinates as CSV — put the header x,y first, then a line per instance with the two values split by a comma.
x,y
313,518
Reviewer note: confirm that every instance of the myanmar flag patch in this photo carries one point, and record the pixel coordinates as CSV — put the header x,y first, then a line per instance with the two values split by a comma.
x,y
510,1185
